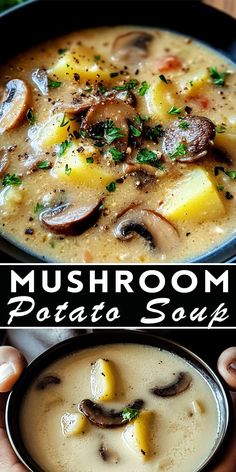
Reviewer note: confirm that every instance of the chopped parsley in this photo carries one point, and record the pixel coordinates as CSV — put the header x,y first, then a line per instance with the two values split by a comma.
x,y
102,88
90,160
44,165
129,414
184,125
181,150
53,83
135,132
231,174
175,111
62,51
163,79
38,207
130,85
83,134
30,116
68,170
111,187
220,188
153,134
63,147
145,156
221,129
144,88
117,155
11,180
97,58
64,122
218,78
111,132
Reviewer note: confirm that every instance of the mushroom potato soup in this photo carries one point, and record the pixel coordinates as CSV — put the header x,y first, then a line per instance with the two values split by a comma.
x,y
118,145
99,409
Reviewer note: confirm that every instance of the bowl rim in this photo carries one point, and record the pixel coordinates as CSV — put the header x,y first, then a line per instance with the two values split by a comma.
x,y
90,340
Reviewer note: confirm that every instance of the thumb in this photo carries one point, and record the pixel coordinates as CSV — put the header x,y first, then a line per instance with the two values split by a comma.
x,y
12,364
227,366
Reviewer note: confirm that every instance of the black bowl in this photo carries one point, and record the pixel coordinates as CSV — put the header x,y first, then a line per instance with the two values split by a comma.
x,y
69,346
38,21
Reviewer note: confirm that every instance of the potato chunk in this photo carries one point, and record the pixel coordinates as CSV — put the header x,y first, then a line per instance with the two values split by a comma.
x,y
137,435
53,132
73,167
103,382
160,98
73,424
84,62
226,142
191,84
194,198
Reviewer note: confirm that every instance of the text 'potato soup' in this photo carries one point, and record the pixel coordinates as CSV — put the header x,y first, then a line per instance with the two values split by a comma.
x,y
121,407
118,145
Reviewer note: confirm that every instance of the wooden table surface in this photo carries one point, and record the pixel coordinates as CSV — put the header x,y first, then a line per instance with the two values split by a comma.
x,y
228,6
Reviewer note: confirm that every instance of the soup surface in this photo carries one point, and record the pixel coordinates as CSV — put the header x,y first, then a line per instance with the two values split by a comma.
x,y
172,427
118,144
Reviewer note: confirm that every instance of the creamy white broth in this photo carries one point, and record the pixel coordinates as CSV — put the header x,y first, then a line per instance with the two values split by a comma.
x,y
179,439
98,243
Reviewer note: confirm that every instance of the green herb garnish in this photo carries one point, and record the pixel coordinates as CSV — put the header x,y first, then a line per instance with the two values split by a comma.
x,y
44,165
153,134
53,83
111,187
130,85
111,132
231,174
64,122
217,77
181,150
163,79
97,58
135,132
220,188
11,180
144,88
62,51
30,116
221,129
184,125
175,111
83,133
64,146
117,155
38,207
102,88
68,170
129,414
90,160
145,156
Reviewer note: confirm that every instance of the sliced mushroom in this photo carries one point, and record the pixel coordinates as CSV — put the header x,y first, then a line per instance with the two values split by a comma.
x,y
152,226
118,112
48,380
103,418
40,78
14,106
126,96
181,384
4,161
197,137
70,219
131,48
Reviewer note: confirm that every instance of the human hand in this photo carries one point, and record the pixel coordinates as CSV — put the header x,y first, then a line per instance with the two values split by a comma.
x,y
12,364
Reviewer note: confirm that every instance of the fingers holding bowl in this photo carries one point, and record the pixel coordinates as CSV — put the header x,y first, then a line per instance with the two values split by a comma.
x,y
227,367
12,363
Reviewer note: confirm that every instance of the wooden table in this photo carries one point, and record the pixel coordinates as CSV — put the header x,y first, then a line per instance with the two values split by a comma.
x,y
229,6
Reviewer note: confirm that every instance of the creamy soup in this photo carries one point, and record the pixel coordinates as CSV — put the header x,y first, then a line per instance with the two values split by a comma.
x,y
118,144
120,407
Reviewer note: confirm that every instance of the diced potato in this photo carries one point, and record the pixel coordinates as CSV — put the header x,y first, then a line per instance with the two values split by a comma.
x,y
12,196
137,435
226,142
197,407
73,424
72,166
160,97
190,84
83,62
194,198
51,132
103,382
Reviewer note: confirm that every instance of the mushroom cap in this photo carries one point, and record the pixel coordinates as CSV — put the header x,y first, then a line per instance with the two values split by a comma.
x,y
198,137
14,106
70,219
132,47
149,224
180,384
104,418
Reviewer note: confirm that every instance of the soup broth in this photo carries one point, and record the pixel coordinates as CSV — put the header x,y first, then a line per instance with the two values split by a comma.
x,y
173,426
118,145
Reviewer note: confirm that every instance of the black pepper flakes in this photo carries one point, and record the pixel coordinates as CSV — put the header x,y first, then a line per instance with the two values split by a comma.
x,y
29,231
